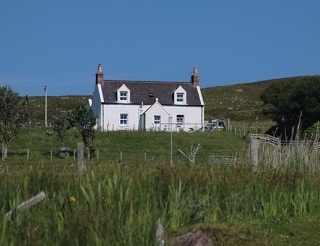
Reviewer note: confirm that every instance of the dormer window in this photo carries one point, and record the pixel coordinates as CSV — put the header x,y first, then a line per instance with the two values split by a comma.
x,y
180,96
123,94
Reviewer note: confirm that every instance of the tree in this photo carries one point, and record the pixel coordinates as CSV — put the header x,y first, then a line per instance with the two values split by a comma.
x,y
13,115
313,132
294,101
83,119
61,124
191,156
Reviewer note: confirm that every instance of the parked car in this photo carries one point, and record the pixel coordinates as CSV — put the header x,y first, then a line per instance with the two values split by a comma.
x,y
215,125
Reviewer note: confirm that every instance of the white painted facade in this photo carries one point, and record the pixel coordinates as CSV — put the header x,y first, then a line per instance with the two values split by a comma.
x,y
124,115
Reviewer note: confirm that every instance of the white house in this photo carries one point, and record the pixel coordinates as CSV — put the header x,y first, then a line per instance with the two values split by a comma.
x,y
147,105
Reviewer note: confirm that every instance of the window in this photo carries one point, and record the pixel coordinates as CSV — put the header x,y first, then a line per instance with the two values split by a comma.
x,y
123,95
123,119
157,119
180,119
180,97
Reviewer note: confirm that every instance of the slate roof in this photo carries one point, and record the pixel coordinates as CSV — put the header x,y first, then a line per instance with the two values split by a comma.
x,y
148,91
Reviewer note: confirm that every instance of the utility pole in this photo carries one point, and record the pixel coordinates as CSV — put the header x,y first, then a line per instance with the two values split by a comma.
x,y
45,107
171,160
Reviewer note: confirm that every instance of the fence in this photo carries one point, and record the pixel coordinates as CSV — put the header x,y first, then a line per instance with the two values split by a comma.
x,y
162,127
218,159
305,143
265,138
36,158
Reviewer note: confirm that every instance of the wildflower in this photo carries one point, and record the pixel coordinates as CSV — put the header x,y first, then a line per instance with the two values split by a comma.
x,y
72,199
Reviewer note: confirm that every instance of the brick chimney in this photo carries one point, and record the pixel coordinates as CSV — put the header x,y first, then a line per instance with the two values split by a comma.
x,y
99,75
195,77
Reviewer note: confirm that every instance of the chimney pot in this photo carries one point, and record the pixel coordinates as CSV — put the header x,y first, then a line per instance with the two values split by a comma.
x,y
195,77
99,75
99,68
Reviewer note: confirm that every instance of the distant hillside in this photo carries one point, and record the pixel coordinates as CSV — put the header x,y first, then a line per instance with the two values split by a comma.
x,y
240,102
56,105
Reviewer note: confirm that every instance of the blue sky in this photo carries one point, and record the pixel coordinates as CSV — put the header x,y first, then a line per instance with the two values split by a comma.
x,y
59,43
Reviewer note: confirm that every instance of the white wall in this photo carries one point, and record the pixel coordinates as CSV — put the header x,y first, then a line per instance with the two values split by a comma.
x,y
112,117
156,109
96,105
193,116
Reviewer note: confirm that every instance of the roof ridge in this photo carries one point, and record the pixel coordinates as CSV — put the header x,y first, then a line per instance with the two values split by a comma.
x,y
145,81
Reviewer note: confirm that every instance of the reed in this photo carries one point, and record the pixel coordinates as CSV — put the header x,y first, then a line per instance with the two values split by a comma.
x,y
119,204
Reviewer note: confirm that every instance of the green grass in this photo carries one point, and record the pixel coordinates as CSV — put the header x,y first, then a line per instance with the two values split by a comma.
x,y
240,102
119,205
112,204
56,105
134,147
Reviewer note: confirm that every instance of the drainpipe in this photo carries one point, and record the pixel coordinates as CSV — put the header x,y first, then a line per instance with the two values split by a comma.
x,y
202,116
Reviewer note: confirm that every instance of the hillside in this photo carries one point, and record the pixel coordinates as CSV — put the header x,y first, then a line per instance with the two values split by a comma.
x,y
56,105
240,102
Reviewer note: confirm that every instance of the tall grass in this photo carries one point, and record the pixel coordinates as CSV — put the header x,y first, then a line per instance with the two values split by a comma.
x,y
119,205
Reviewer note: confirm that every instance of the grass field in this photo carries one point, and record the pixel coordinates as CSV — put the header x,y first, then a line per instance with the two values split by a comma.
x,y
132,147
118,203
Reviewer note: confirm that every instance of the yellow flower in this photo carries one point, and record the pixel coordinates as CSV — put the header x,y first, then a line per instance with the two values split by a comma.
x,y
72,199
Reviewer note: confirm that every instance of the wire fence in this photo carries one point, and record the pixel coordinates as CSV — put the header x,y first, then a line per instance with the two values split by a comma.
x,y
40,159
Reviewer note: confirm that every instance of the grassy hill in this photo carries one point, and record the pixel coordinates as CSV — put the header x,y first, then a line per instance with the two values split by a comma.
x,y
240,102
56,105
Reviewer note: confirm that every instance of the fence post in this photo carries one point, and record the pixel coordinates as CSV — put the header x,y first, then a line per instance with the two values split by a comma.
x,y
27,154
80,158
160,232
27,204
254,147
51,155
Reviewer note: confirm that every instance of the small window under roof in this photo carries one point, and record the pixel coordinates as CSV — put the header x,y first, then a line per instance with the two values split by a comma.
x,y
151,94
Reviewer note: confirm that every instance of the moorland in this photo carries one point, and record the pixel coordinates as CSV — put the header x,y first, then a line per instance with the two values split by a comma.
x,y
130,184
